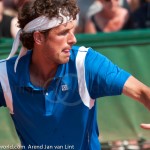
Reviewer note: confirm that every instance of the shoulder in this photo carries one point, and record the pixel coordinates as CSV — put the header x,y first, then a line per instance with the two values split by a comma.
x,y
2,65
93,54
2,61
89,53
7,63
76,49
11,62
81,49
123,13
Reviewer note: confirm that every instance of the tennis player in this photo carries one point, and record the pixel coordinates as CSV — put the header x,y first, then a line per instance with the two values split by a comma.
x,y
51,87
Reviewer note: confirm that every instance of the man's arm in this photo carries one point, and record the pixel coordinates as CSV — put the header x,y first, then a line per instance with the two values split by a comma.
x,y
137,90
145,126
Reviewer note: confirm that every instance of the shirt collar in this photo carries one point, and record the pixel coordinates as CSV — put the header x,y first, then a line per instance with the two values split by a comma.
x,y
23,71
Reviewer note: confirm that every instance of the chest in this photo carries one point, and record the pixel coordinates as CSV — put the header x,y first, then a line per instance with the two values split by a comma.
x,y
61,94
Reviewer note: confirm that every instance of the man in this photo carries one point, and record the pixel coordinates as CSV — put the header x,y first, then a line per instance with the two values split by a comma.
x,y
51,87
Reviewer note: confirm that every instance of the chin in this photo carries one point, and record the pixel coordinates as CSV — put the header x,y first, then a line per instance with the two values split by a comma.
x,y
65,61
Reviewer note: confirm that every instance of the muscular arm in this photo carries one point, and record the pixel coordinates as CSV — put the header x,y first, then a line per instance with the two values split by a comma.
x,y
138,91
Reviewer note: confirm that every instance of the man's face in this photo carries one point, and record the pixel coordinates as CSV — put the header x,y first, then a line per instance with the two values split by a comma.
x,y
57,45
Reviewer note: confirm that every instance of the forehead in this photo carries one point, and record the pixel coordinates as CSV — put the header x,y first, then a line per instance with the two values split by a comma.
x,y
67,26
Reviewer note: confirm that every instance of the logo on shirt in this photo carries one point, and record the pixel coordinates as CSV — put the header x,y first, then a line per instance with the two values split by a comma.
x,y
64,88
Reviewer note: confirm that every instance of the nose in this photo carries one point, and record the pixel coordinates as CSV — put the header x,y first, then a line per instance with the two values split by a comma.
x,y
72,39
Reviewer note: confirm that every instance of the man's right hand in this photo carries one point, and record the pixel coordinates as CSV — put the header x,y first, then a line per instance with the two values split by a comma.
x,y
145,126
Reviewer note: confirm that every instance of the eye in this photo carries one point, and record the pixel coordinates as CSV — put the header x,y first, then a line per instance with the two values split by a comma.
x,y
63,32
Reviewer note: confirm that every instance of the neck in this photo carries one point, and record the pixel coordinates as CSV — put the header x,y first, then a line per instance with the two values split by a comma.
x,y
41,71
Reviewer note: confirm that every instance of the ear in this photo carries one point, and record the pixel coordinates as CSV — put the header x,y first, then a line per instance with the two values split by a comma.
x,y
38,37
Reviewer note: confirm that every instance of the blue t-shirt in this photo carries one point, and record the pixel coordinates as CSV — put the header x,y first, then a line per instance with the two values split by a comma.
x,y
63,115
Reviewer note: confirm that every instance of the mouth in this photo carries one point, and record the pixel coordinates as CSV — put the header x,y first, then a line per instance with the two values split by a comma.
x,y
67,51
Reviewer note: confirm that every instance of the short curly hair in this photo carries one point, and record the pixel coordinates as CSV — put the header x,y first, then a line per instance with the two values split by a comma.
x,y
49,8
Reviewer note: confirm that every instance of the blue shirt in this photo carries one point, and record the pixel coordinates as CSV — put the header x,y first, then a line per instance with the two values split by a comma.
x,y
64,114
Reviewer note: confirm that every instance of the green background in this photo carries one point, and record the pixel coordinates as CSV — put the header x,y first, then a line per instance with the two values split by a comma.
x,y
119,117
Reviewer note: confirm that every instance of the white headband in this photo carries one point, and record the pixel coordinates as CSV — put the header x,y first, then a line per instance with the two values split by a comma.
x,y
38,24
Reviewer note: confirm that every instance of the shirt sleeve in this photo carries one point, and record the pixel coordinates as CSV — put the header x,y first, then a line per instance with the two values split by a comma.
x,y
2,99
103,78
